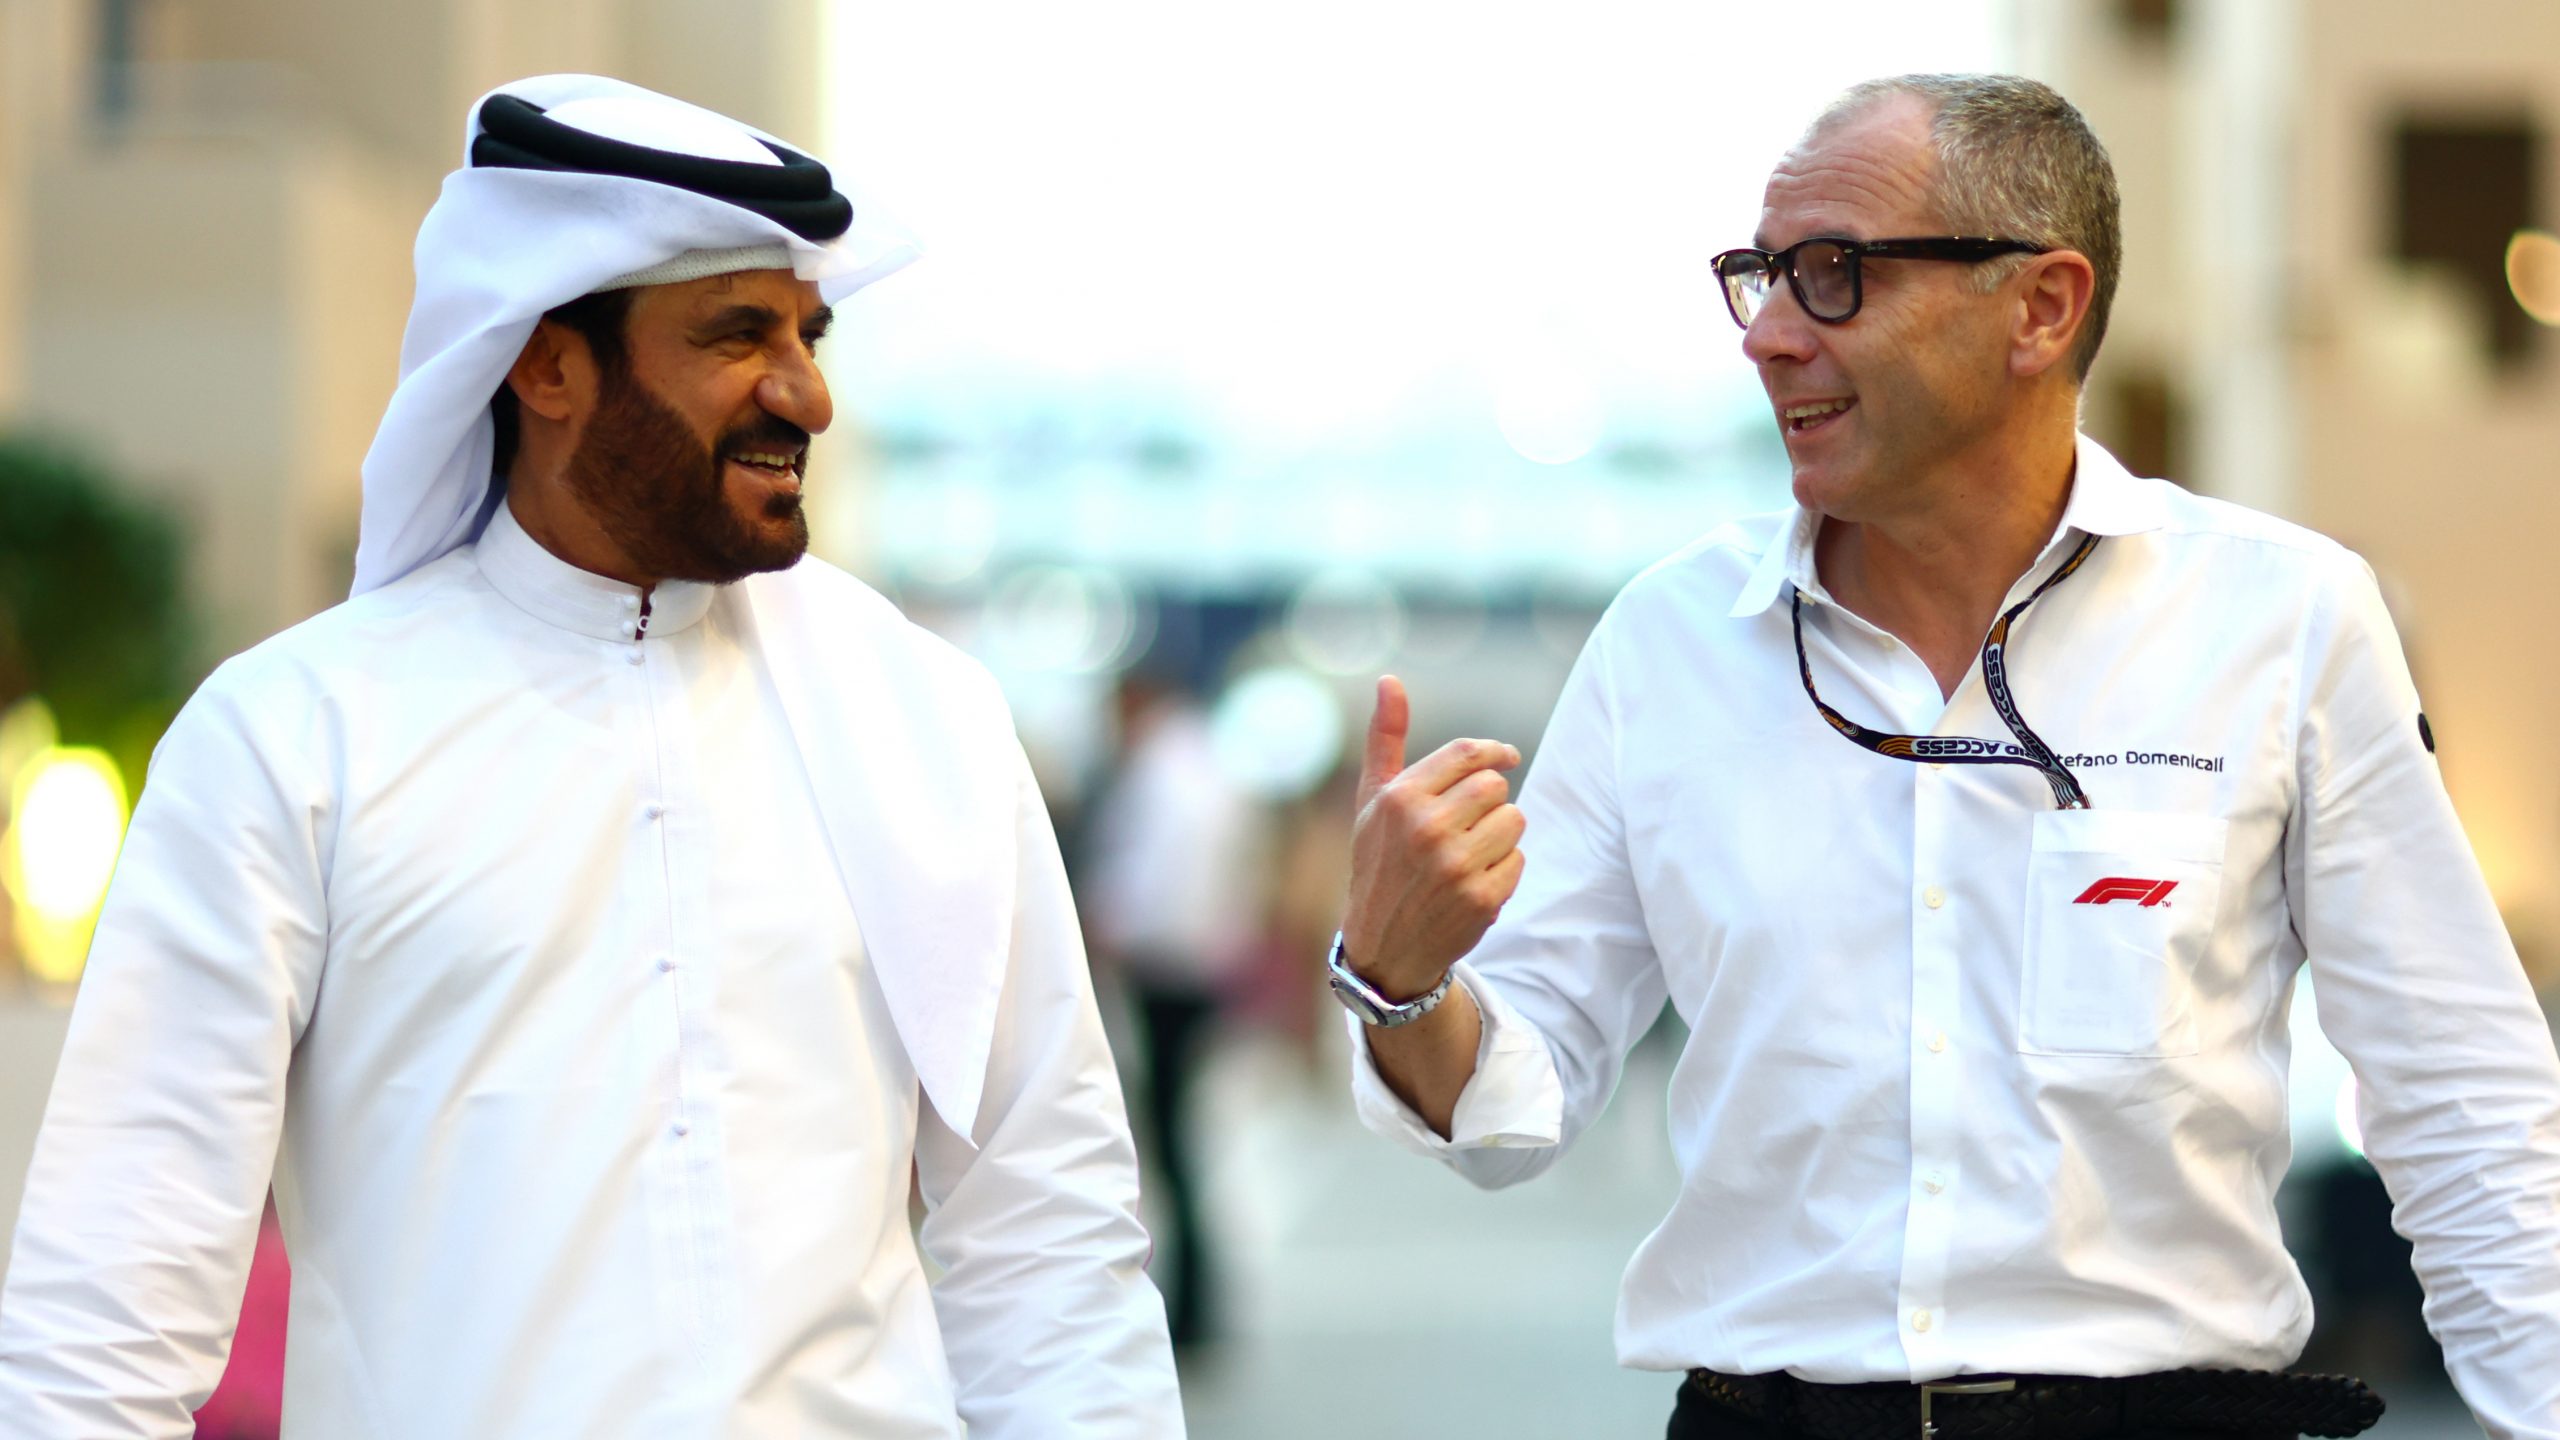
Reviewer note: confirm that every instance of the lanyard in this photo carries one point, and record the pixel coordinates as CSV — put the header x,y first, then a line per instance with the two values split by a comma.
x,y
2030,750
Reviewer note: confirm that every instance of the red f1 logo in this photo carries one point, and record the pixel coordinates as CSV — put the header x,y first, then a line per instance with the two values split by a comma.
x,y
2121,887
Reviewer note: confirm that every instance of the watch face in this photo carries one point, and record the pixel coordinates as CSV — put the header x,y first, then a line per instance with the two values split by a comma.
x,y
1348,990
1363,999
1351,990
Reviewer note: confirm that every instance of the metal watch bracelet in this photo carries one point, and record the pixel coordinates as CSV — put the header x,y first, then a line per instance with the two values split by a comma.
x,y
1362,998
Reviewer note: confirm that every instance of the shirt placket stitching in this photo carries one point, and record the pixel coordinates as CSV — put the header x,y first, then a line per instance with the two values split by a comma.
x,y
680,997
1939,1038
1935,1049
1936,1054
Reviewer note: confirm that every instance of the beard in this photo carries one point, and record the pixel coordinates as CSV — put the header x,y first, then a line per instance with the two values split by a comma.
x,y
660,493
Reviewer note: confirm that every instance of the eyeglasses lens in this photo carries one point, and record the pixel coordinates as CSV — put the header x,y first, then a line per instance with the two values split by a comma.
x,y
1747,276
1827,280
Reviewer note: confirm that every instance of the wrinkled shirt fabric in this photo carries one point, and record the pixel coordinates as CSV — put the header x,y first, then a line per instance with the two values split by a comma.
x,y
505,928
1958,1098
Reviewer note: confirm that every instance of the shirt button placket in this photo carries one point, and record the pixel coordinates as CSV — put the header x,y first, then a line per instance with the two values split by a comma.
x,y
1938,846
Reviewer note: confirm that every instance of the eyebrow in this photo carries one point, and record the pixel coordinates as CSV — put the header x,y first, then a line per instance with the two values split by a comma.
x,y
731,319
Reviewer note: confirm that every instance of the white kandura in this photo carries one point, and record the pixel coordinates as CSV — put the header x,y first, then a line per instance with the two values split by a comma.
x,y
594,1119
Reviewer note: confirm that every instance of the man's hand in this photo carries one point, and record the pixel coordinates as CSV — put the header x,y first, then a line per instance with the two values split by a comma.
x,y
1435,852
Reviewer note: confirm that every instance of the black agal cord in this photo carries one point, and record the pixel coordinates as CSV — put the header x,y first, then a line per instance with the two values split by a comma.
x,y
796,194
2030,750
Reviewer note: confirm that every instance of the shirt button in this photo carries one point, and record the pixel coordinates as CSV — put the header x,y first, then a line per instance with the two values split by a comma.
x,y
1933,1182
665,964
1920,1321
655,811
634,657
1938,1043
682,1130
1933,897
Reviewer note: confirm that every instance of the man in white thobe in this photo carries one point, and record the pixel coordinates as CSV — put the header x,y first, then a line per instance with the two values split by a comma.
x,y
599,922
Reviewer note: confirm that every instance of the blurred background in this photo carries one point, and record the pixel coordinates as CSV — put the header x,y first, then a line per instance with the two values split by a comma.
x,y
1257,350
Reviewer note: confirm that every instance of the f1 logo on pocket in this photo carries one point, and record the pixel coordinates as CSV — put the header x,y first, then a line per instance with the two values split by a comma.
x,y
2124,887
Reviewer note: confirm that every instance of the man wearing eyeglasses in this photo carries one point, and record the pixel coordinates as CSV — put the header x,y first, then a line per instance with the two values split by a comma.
x,y
1977,814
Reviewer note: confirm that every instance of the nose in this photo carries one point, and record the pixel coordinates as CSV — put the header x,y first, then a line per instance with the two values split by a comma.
x,y
1781,330
794,390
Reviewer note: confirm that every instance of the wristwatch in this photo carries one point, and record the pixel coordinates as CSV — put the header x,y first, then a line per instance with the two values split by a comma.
x,y
1362,998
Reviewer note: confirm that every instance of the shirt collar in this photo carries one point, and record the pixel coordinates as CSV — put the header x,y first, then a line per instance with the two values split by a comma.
x,y
556,592
2106,499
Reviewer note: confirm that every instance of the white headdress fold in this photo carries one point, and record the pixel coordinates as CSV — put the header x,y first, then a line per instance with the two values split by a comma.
x,y
503,244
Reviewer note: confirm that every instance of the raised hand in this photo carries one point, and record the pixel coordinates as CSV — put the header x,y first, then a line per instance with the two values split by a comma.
x,y
1435,851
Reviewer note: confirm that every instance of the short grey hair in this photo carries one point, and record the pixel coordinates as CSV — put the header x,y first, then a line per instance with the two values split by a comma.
x,y
2017,161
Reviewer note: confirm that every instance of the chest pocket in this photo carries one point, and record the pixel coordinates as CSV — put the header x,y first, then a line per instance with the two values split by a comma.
x,y
2120,905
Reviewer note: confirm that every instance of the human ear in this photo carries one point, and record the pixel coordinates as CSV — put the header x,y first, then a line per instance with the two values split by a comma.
x,y
2054,293
548,370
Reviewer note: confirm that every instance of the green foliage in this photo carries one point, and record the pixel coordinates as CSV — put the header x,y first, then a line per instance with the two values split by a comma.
x,y
92,608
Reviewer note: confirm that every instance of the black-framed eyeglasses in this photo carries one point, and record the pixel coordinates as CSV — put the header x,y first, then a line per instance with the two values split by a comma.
x,y
1824,270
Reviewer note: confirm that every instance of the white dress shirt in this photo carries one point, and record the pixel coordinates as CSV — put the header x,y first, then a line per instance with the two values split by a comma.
x,y
1947,1109
512,919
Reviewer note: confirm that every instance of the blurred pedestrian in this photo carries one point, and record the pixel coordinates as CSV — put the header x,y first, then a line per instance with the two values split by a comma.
x,y
607,909
1976,814
1173,897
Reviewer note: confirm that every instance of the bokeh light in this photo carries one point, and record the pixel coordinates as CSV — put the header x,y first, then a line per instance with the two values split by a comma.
x,y
2533,273
1051,617
1346,622
67,815
1277,732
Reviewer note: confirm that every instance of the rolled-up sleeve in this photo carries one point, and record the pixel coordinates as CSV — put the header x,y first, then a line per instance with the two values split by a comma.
x,y
1567,979
2418,985
1049,1320
151,1169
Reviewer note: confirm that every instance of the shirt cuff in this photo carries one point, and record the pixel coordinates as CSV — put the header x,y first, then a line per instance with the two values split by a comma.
x,y
1514,1100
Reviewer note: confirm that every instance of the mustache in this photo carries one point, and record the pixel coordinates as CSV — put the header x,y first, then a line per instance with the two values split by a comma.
x,y
769,433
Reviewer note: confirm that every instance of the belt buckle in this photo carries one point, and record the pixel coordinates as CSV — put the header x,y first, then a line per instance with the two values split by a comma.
x,y
1929,1427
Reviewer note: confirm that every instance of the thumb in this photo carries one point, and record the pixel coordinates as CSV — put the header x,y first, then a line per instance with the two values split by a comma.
x,y
1382,759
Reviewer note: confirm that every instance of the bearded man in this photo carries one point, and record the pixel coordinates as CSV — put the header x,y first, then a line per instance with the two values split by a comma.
x,y
597,920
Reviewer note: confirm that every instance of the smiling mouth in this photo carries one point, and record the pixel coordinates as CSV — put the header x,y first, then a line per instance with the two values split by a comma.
x,y
1812,415
774,464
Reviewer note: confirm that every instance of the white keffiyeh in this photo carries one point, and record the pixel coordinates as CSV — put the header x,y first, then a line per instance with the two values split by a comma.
x,y
503,245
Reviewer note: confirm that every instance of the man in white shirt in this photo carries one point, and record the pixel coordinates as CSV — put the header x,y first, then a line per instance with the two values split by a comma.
x,y
1985,944
602,921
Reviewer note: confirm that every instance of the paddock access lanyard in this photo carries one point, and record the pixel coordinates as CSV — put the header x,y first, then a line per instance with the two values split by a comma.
x,y
2030,750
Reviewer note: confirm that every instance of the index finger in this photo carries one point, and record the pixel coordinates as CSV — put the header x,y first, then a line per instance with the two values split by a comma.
x,y
1436,772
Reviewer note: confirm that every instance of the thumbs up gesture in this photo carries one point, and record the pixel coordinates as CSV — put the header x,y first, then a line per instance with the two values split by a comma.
x,y
1435,851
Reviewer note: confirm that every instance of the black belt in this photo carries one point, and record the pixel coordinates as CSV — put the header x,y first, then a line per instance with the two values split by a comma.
x,y
2049,1407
